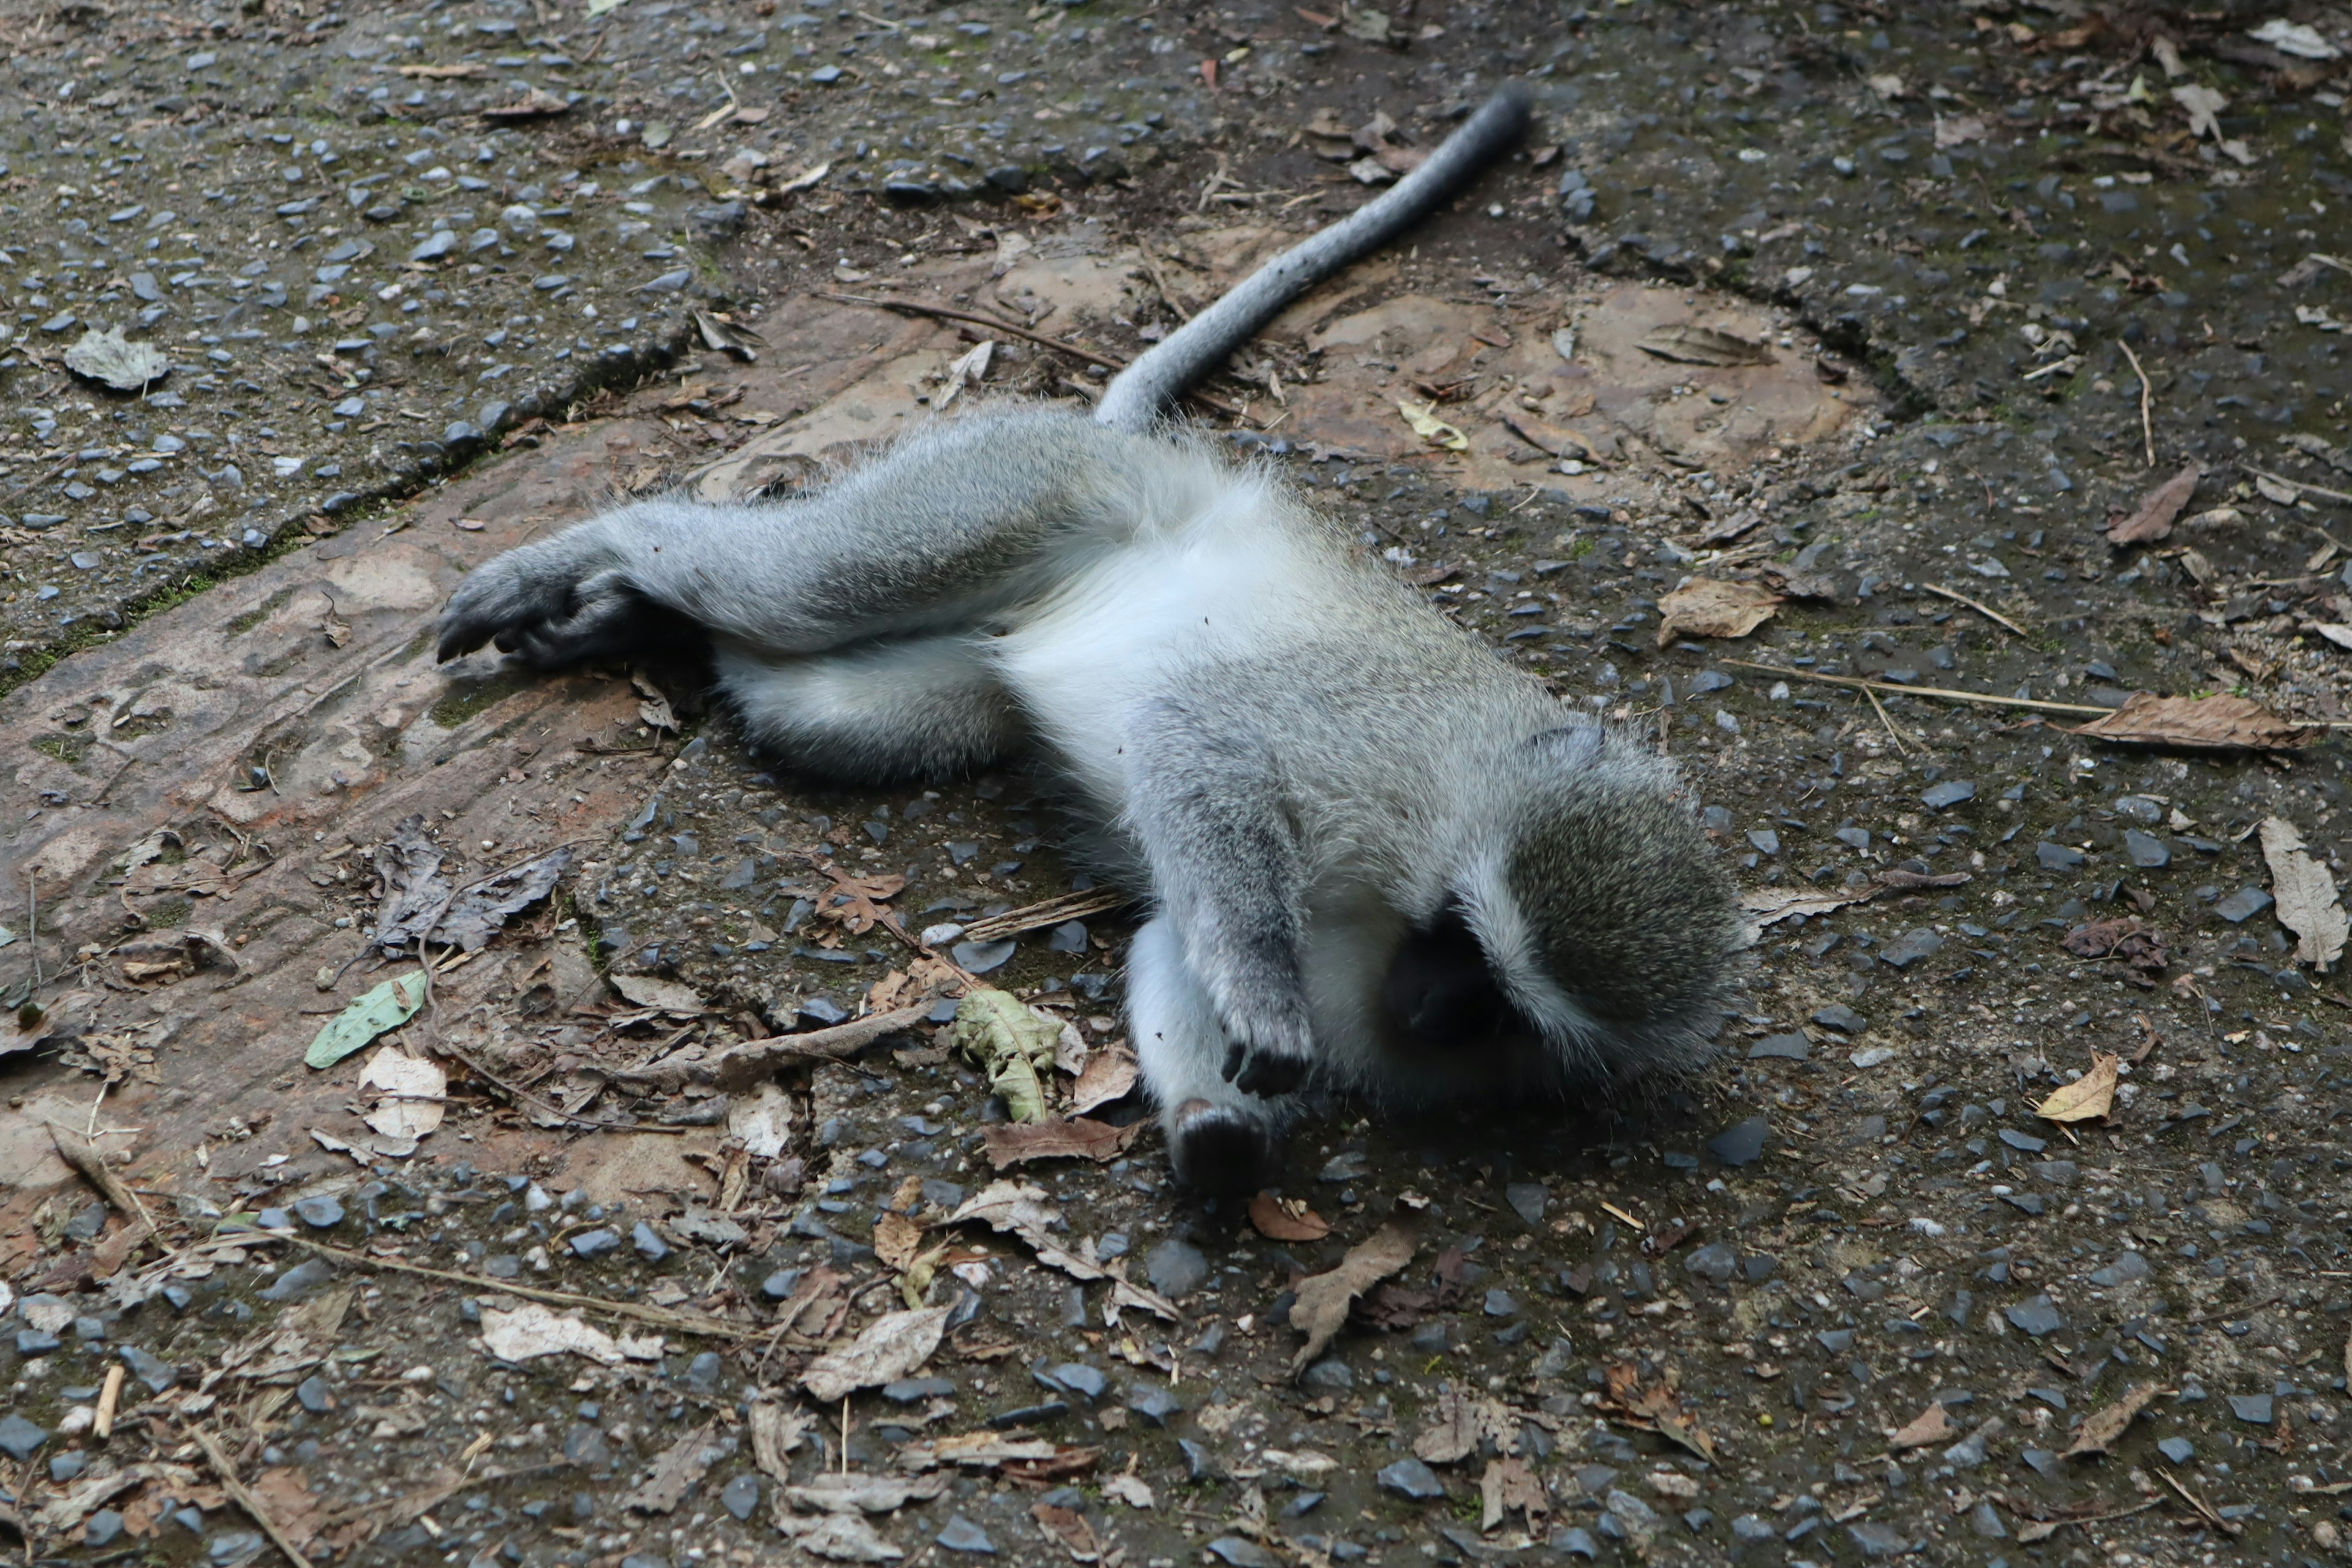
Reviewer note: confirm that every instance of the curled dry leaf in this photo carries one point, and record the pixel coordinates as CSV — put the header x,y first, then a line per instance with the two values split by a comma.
x,y
1073,1138
890,1348
1423,417
663,996
2152,519
836,1537
1132,1489
1323,1300
1111,1073
410,1090
2089,1098
1687,345
1466,1420
1286,1219
532,1330
1933,1424
2101,1428
2197,723
854,1491
2308,904
1705,607
681,1465
2139,944
1018,1209
1013,1043
1067,1528
1507,1484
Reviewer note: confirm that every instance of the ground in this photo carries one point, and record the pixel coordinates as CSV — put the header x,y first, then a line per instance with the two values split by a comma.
x,y
1892,315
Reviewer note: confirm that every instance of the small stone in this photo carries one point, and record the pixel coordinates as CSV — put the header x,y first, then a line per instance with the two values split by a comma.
x,y
1412,1478
2180,1450
961,1534
64,1467
908,1390
1949,794
2243,905
461,433
648,1242
2251,1408
1574,1540
2058,857
104,1527
1499,1304
1154,1405
300,1280
1199,1464
1238,1551
2023,1142
982,957
1528,1200
2123,1270
1713,1261
1176,1268
441,244
594,1243
1986,1522
2036,1316
1751,1529
1742,1142
149,1368
1911,947
702,1373
267,1219
1081,1379
779,1286
1781,1047
1029,1414
1842,1018
1330,1373
20,1437
313,1395
1878,1540
320,1213
741,1496
2146,850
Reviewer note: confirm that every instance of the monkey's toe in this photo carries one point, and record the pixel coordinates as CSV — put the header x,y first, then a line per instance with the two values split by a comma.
x,y
1219,1150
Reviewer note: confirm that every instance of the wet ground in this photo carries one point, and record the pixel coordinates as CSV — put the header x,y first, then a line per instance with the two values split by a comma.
x,y
1849,1298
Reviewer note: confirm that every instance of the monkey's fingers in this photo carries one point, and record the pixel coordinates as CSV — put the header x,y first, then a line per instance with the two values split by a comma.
x,y
1269,1075
1235,1056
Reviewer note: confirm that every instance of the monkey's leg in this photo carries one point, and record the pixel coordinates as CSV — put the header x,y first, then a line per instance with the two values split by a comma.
x,y
1220,1140
1205,800
917,708
953,524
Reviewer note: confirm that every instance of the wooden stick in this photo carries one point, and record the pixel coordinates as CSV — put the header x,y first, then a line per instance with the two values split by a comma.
x,y
1989,613
244,1498
109,1400
82,1154
1982,697
2307,488
1051,913
747,1064
656,1317
2147,428
1892,733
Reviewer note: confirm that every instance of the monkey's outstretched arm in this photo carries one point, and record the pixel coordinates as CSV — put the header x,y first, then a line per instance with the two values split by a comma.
x,y
946,526
1205,799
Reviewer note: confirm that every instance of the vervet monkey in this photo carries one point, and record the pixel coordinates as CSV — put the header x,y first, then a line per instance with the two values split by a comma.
x,y
1378,860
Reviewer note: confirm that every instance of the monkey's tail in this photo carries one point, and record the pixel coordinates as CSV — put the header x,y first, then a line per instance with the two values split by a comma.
x,y
1139,395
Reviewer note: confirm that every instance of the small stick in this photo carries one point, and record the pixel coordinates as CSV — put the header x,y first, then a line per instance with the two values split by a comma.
x,y
1985,699
244,1498
548,1108
1892,733
2309,490
1052,912
83,1156
1990,615
109,1399
2146,429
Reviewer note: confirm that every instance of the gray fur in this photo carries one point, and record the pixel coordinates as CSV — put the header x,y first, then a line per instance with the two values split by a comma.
x,y
1282,745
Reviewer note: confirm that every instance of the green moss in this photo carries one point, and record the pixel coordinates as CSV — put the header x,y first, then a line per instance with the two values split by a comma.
x,y
67,749
466,699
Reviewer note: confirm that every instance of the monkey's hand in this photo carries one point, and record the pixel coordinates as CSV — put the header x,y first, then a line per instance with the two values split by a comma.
x,y
558,601
1271,1054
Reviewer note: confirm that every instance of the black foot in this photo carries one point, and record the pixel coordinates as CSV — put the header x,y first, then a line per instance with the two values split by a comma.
x,y
1220,1151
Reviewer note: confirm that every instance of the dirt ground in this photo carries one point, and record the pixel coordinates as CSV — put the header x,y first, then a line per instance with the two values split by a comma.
x,y
1889,318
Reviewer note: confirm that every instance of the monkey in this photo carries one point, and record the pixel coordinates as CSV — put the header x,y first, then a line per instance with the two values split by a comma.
x,y
1378,860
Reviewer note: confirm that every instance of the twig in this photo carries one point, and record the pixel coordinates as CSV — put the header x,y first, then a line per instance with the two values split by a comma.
x,y
244,1498
1990,615
2147,428
2227,1527
1984,699
2299,485
1892,733
656,1317
83,1156
548,1107
1051,913
1159,280
747,1064
109,1400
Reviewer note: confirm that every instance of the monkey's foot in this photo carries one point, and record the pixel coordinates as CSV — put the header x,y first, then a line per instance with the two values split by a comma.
x,y
1219,1150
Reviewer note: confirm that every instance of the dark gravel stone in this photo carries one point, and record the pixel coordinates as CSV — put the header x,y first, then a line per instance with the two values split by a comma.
x,y
300,1280
2123,1270
313,1395
907,1390
104,1529
1742,1142
1499,1304
1176,1268
1843,1019
2180,1450
321,1213
2146,850
20,1437
586,1447
63,1467
594,1243
702,1373
648,1242
720,220
1153,1405
1081,1379
1911,947
983,957
1029,1414
2058,857
1240,1552
1949,794
1781,1047
1751,1529
1576,1542
267,1219
1713,1261
2037,1315
961,1534
149,1368
1412,1478
2253,1408
2243,905
461,433
1528,1200
1878,1540
1199,1464
741,1496
2023,1142
1330,1373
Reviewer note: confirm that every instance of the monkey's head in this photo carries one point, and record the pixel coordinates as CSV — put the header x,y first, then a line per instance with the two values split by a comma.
x,y
1586,913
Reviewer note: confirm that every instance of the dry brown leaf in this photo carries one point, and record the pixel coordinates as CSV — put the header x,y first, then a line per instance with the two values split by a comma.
x,y
1069,1527
1323,1300
2103,1428
1687,345
1465,1419
2308,904
890,1347
1705,607
2197,723
1508,1484
776,1431
1073,1138
681,1465
1018,1209
977,1451
1286,1219
2088,1097
664,996
2152,520
1111,1073
855,1491
1933,1424
537,104
856,902
898,1240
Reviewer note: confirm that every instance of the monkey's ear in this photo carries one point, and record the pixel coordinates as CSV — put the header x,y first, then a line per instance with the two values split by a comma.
x,y
1571,745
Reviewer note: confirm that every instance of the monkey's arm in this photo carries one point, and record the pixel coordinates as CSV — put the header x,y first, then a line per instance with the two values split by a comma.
x,y
947,526
1206,799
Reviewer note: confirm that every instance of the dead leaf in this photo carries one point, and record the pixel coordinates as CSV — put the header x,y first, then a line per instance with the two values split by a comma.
x,y
977,1451
681,1465
1557,440
838,1537
1073,1138
1018,1209
776,1431
1655,1407
531,1331
854,1491
1958,130
1111,1073
2197,723
1014,1043
1321,1307
2139,944
663,996
2204,107
1068,1527
855,903
1687,344
2102,1428
2089,1098
2308,904
887,1349
441,73
1705,607
1509,1484
410,1090
1423,417
898,1240
537,104
1466,1420
1286,1219
967,371
2153,519
1933,1424
1132,1489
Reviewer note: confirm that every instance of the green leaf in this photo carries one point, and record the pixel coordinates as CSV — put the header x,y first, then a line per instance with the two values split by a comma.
x,y
1013,1043
388,1006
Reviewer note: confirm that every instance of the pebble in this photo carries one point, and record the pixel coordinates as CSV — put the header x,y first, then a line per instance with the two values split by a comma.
x,y
2126,1268
1153,1405
313,1395
594,1243
2037,1315
2243,905
1412,1478
961,1534
2146,850
104,1529
2253,1408
982,957
1790,1047
1877,1540
648,1242
1742,1142
2058,857
1081,1379
1176,1268
1911,947
1528,1200
1713,1261
1330,1373
1949,794
1238,1551
298,1281
2180,1450
320,1213
1842,1018
741,1496
149,1368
